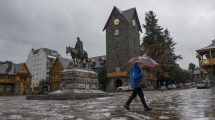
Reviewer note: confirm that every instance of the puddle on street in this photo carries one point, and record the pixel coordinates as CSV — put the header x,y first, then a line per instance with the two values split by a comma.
x,y
174,104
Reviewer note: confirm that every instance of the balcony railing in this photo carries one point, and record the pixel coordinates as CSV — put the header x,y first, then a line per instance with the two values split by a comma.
x,y
207,61
117,74
6,81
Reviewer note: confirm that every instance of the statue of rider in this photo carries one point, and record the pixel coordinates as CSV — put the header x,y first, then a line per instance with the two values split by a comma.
x,y
79,46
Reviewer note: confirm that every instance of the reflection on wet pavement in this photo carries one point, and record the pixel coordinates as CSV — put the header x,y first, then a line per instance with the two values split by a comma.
x,y
191,104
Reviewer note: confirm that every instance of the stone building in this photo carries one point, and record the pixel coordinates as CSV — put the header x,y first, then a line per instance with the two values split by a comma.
x,y
122,43
39,62
59,65
15,79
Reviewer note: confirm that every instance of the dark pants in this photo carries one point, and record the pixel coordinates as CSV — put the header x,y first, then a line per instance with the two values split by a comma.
x,y
134,94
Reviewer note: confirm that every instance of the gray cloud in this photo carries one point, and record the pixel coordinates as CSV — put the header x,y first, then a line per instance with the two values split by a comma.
x,y
55,24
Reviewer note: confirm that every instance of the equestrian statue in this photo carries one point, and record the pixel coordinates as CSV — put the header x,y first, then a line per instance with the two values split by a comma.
x,y
78,54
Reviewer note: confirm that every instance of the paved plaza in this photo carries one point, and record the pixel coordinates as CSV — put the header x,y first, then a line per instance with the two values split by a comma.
x,y
190,104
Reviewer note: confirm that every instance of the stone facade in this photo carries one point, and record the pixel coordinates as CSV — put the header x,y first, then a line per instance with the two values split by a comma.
x,y
75,84
79,79
122,44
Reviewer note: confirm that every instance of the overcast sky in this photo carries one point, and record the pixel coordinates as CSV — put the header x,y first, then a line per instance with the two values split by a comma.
x,y
55,24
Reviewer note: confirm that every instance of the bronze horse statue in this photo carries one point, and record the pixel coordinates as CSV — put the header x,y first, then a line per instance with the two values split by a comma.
x,y
76,55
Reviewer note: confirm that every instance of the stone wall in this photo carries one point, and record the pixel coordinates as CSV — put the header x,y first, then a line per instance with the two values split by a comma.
x,y
117,47
121,48
79,79
76,84
111,85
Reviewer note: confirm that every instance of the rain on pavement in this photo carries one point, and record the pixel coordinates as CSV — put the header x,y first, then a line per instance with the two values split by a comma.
x,y
190,104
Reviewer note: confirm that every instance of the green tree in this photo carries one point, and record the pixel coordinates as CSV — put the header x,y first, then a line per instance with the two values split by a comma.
x,y
191,67
153,36
170,46
180,75
102,79
159,45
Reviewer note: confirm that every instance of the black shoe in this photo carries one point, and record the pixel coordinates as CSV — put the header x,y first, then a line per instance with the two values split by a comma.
x,y
126,107
147,109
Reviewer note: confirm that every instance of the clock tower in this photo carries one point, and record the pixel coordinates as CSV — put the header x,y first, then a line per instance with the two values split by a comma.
x,y
122,43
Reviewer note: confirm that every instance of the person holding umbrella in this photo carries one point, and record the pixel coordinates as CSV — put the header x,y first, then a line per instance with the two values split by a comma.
x,y
136,84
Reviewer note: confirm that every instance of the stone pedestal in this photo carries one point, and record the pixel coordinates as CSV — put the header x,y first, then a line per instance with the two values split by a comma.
x,y
76,84
79,80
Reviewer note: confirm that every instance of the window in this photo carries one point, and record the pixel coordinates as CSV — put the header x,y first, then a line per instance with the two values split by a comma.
x,y
116,32
1,89
23,78
117,69
5,77
8,89
9,77
1,77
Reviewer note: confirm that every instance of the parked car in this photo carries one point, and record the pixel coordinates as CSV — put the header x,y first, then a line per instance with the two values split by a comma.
x,y
188,84
162,88
126,87
171,86
193,84
203,85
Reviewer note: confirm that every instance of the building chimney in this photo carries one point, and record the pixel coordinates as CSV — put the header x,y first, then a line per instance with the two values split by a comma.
x,y
213,42
9,63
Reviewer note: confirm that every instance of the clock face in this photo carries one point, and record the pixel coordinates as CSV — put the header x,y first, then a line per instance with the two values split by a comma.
x,y
116,22
133,22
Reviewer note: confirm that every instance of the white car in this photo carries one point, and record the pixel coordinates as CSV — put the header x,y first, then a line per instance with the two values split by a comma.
x,y
126,87
162,88
202,85
171,86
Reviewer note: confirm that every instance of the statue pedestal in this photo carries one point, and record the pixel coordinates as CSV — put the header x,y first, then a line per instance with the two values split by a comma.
x,y
76,84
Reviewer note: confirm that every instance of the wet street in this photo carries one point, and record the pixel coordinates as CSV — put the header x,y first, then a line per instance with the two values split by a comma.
x,y
190,104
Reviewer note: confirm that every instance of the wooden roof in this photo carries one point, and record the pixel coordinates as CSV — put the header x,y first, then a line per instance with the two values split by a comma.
x,y
211,46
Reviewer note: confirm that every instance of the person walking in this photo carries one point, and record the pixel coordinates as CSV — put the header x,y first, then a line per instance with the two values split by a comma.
x,y
136,84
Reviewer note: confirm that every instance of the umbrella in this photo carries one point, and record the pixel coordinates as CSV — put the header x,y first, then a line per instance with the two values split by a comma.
x,y
144,61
